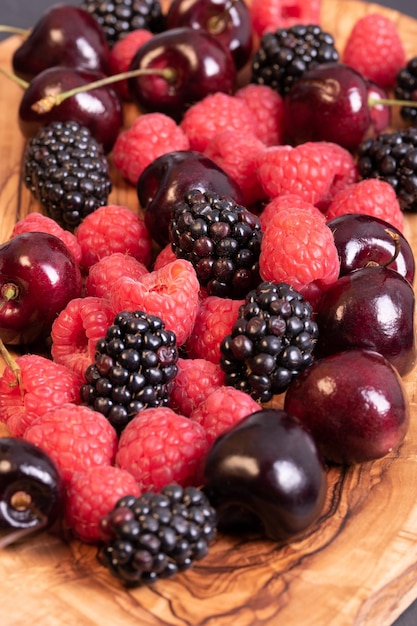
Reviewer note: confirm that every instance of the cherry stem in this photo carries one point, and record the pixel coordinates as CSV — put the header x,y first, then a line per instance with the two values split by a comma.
x,y
13,30
216,23
22,533
23,83
392,102
11,362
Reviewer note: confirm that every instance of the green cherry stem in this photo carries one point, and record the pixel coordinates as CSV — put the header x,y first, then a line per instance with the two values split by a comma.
x,y
392,102
13,30
23,83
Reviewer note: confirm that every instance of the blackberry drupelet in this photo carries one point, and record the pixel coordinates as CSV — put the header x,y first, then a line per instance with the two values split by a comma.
x,y
119,17
271,341
67,171
133,369
157,535
285,55
392,157
406,89
221,239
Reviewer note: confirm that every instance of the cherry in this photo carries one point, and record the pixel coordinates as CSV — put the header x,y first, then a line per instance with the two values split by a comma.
x,y
353,403
38,277
380,113
228,20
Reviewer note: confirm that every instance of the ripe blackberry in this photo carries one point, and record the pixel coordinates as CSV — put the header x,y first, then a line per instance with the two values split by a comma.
x,y
392,157
406,89
117,18
134,368
221,239
157,535
271,341
285,55
66,170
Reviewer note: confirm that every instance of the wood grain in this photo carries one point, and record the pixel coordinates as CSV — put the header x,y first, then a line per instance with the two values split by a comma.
x,y
356,566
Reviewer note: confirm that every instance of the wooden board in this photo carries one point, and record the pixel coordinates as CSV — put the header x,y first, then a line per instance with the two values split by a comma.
x,y
356,566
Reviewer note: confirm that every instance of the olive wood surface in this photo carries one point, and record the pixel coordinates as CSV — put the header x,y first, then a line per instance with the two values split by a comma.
x,y
356,566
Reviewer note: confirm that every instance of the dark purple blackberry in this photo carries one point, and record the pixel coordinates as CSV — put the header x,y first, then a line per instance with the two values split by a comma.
x,y
157,535
133,369
285,55
271,341
117,18
406,89
392,157
221,239
67,171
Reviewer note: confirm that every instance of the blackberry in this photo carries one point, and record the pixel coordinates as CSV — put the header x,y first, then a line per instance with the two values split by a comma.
x,y
221,239
117,18
271,341
67,171
406,89
285,55
157,535
134,367
392,157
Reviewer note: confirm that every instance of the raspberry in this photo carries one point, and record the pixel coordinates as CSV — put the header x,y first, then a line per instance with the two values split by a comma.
x,y
303,170
121,55
374,48
267,106
221,409
159,446
41,223
150,136
196,378
103,274
215,318
113,228
286,202
235,152
165,255
92,494
172,293
268,15
214,113
43,385
76,331
344,169
75,437
372,197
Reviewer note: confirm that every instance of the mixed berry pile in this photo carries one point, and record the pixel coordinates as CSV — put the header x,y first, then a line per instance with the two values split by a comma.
x,y
192,316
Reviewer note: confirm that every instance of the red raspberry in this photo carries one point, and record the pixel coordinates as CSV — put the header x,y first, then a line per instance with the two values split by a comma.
x,y
372,197
103,274
214,113
214,320
345,171
164,256
121,55
268,15
171,293
41,223
196,378
268,108
43,385
76,331
150,136
159,446
92,494
286,202
374,48
235,152
303,170
113,228
75,437
221,409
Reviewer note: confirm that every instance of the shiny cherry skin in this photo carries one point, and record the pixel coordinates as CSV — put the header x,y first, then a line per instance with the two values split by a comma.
x,y
63,35
201,65
228,21
380,113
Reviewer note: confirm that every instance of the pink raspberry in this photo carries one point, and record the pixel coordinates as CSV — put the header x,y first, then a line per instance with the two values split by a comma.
x,y
235,152
171,293
164,256
159,446
196,378
372,197
268,15
267,107
76,331
150,136
345,171
214,113
103,274
121,55
214,320
222,408
75,437
286,202
92,494
43,385
113,228
41,223
374,48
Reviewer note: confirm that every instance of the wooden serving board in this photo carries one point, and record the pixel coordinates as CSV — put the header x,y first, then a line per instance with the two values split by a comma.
x,y
356,566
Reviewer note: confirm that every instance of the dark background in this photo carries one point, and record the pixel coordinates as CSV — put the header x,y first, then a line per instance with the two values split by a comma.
x,y
24,13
